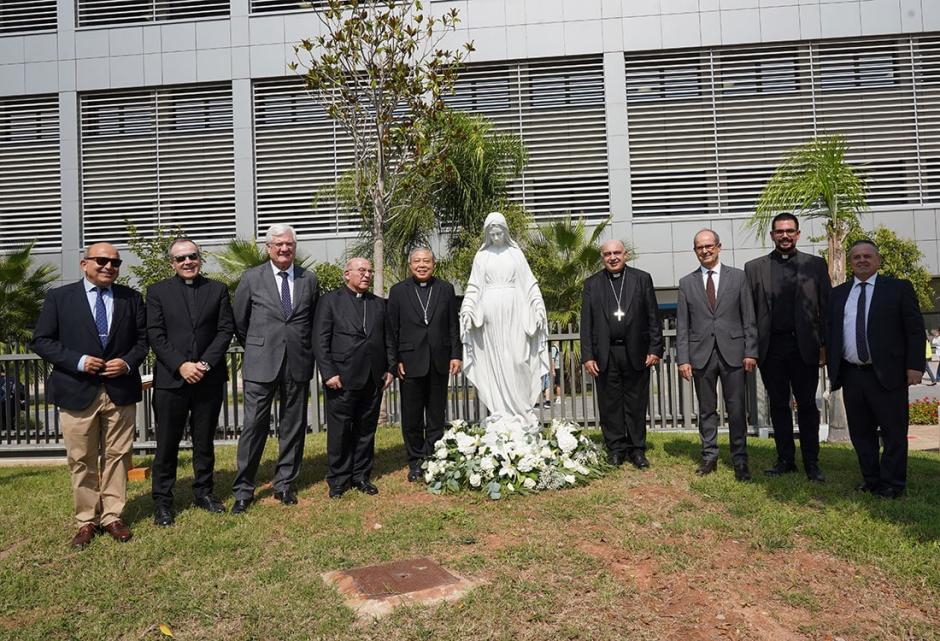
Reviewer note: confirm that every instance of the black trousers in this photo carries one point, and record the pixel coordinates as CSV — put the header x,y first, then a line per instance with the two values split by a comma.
x,y
423,400
291,430
783,372
623,396
198,406
351,419
732,388
868,406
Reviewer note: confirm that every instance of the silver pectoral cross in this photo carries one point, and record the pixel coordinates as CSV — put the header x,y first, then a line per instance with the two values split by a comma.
x,y
619,314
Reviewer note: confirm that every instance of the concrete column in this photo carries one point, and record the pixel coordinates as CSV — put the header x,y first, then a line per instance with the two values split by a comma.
x,y
618,159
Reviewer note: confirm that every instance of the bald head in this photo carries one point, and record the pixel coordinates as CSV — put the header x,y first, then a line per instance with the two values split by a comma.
x,y
358,274
101,264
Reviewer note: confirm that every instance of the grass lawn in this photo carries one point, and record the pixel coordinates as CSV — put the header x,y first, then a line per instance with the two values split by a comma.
x,y
657,554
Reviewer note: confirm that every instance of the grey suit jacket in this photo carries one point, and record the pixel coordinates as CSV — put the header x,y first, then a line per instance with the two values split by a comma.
x,y
731,327
269,338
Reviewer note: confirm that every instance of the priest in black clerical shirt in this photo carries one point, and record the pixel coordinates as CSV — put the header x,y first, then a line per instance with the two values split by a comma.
x,y
190,326
424,338
791,295
621,338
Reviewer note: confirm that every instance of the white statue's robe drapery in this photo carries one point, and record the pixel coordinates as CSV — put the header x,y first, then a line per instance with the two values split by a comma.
x,y
506,338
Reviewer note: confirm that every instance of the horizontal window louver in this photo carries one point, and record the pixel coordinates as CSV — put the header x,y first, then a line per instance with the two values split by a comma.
x,y
27,15
556,106
158,158
93,13
300,153
30,182
268,6
708,127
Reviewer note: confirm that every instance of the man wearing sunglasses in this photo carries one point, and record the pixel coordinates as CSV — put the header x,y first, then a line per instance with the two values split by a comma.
x,y
791,297
190,326
94,333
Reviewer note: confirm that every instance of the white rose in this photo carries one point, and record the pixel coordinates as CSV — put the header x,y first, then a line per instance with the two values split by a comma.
x,y
466,444
566,441
529,483
475,479
569,479
487,463
441,453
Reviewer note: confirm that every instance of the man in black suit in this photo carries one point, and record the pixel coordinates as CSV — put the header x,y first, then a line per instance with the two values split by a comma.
x,y
791,295
274,308
94,332
716,338
190,326
621,339
876,350
424,336
355,364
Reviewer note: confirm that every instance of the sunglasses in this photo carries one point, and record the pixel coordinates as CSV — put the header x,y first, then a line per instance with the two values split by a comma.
x,y
185,257
101,261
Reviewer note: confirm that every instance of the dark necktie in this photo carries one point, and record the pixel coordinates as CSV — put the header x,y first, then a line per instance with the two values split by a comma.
x,y
861,334
710,291
101,317
285,295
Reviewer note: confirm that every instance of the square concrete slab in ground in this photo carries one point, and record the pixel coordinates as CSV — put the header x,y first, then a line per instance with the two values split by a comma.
x,y
374,591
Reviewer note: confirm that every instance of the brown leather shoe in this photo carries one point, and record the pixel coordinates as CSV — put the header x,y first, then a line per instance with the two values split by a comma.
x,y
84,536
118,531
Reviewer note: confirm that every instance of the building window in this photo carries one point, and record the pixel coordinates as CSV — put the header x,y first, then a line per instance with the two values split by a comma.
x,y
30,180
93,13
270,6
27,16
156,158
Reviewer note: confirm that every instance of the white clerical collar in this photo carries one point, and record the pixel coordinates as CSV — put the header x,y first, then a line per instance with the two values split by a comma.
x,y
716,270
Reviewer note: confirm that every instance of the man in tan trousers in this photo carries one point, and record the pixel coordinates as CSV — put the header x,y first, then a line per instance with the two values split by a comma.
x,y
94,333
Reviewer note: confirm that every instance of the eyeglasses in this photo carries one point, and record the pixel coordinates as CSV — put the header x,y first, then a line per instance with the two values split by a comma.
x,y
363,271
185,257
285,244
101,261
785,232
706,248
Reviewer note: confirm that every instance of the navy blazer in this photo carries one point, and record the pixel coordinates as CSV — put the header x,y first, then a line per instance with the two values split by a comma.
x,y
895,331
66,331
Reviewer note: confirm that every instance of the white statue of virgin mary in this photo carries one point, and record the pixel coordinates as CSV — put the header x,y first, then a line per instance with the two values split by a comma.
x,y
503,326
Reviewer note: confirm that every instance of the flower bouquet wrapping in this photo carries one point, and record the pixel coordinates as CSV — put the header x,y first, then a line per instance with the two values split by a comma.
x,y
507,455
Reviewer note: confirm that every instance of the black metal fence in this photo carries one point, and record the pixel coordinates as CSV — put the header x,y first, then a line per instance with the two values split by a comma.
x,y
29,423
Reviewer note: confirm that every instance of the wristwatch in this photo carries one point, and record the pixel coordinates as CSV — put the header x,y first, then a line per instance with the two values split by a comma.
x,y
206,365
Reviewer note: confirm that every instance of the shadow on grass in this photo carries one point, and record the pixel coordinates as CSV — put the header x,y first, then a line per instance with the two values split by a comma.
x,y
917,511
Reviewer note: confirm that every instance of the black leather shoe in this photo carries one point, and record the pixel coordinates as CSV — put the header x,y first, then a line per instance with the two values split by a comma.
x,y
814,474
889,492
366,487
337,492
742,472
163,516
780,468
867,487
706,467
639,461
615,458
241,506
209,503
287,497
415,475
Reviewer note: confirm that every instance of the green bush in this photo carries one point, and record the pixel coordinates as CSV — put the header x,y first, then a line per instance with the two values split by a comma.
x,y
923,411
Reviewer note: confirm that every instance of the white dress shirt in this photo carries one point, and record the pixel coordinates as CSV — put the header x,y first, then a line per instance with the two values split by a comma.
x,y
91,294
290,279
849,348
716,275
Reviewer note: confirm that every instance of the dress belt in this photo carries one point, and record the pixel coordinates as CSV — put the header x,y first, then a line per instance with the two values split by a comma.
x,y
846,363
618,342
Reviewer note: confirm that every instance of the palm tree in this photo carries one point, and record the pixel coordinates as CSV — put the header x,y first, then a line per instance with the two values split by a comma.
x,y
23,288
240,254
816,181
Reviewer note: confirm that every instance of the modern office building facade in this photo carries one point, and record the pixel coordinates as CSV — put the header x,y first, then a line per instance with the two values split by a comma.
x,y
665,115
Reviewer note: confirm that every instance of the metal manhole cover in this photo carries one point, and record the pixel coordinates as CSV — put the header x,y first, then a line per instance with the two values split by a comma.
x,y
399,577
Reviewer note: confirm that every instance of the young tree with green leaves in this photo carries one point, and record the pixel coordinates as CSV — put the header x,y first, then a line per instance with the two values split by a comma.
x,y
23,287
816,181
379,71
152,252
900,258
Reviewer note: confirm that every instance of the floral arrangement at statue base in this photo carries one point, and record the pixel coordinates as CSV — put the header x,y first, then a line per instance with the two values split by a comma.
x,y
512,455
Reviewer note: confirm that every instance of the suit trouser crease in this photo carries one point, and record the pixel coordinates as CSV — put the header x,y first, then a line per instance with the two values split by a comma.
x,y
291,430
622,402
352,416
732,389
423,401
197,406
868,406
99,441
783,373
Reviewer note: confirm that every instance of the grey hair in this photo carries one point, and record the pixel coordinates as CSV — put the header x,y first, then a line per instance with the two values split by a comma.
x,y
710,231
421,249
179,240
279,229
